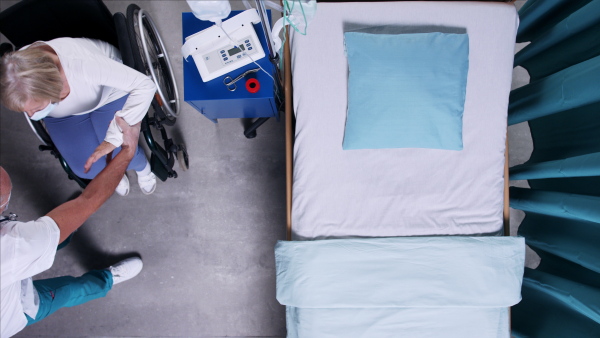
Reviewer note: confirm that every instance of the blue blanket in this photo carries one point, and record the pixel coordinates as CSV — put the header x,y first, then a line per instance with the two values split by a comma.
x,y
406,286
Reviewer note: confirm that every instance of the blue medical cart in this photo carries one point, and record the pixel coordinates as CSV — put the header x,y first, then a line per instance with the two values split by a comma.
x,y
213,100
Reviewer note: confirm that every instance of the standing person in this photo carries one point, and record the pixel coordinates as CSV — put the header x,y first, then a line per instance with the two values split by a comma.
x,y
78,86
28,248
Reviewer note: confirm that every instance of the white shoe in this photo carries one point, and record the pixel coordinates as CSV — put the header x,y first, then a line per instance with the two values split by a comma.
x,y
147,183
126,269
123,187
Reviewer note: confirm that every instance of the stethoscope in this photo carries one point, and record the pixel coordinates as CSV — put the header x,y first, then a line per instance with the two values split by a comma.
x,y
11,217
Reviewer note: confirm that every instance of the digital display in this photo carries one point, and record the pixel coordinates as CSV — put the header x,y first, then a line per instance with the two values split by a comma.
x,y
235,50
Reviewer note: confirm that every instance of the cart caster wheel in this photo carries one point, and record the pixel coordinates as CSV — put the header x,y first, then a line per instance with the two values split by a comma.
x,y
183,159
251,134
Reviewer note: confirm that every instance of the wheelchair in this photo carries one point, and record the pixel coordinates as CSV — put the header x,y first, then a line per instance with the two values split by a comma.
x,y
141,47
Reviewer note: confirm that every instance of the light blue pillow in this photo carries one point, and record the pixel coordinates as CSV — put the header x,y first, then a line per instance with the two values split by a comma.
x,y
406,90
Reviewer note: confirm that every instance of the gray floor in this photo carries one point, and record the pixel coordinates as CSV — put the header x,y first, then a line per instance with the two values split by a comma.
x,y
206,238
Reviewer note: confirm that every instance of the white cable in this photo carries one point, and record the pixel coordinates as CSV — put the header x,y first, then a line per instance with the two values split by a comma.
x,y
245,54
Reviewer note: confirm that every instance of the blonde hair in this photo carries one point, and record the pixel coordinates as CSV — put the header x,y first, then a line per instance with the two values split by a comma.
x,y
28,74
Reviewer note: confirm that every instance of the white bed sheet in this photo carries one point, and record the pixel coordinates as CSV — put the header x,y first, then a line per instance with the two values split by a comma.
x,y
399,192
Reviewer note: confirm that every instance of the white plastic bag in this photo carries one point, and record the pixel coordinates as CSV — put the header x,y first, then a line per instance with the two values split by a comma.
x,y
210,10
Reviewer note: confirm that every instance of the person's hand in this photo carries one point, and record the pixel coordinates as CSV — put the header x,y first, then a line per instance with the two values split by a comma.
x,y
103,149
131,136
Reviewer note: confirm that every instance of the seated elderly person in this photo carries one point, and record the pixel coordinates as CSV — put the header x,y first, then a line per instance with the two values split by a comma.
x,y
28,248
78,86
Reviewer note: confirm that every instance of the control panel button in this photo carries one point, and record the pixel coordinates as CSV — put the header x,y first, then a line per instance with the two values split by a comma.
x,y
247,41
249,48
225,59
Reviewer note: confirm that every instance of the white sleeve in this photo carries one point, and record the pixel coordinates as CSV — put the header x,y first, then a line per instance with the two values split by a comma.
x,y
33,247
114,135
108,72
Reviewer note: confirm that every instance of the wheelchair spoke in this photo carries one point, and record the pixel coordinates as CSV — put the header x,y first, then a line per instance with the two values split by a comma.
x,y
140,45
155,62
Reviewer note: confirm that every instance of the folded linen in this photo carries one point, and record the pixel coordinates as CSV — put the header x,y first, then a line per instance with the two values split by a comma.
x,y
398,322
447,286
450,271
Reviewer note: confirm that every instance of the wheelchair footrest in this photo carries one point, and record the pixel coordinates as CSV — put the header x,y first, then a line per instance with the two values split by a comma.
x,y
158,168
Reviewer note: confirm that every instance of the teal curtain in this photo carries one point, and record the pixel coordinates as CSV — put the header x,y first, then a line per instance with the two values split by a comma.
x,y
561,297
557,26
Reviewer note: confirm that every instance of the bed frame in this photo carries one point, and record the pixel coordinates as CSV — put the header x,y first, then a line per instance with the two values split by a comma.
x,y
289,148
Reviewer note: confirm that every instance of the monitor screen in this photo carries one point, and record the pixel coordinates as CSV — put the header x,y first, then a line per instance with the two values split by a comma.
x,y
235,50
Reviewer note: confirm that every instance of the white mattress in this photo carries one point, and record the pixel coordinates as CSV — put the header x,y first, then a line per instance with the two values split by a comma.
x,y
399,192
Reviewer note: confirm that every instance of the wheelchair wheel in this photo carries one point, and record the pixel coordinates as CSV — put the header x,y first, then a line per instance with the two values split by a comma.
x,y
152,59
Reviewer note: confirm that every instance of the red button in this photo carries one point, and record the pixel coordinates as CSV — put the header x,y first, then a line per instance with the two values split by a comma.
x,y
252,85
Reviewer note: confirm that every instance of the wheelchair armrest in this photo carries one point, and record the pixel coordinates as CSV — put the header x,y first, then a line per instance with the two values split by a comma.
x,y
123,37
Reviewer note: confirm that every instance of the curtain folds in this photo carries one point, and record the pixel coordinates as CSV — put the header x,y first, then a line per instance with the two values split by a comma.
x,y
558,204
571,88
574,307
571,239
577,166
538,16
561,297
579,33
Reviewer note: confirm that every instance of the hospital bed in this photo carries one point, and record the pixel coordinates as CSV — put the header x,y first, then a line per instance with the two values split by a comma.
x,y
343,205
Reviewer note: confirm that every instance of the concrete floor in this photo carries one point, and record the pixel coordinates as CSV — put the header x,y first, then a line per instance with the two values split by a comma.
x,y
206,238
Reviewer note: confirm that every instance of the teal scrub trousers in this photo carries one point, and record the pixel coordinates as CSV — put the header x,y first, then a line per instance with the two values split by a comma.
x,y
67,291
